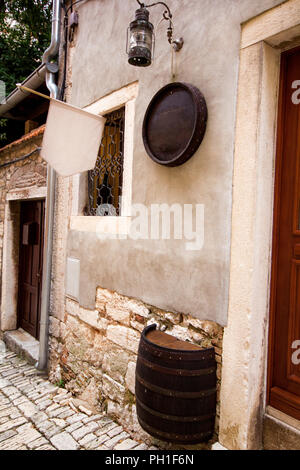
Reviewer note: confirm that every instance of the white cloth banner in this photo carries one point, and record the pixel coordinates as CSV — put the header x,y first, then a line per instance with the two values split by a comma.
x,y
72,138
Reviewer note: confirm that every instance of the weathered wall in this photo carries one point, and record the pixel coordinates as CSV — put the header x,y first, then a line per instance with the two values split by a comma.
x,y
244,389
17,181
95,351
164,273
93,345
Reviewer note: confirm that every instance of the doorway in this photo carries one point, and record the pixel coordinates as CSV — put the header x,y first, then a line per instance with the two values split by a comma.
x,y
284,366
30,265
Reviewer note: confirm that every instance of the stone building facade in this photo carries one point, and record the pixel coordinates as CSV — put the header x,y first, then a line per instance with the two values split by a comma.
x,y
221,291
104,291
22,179
94,352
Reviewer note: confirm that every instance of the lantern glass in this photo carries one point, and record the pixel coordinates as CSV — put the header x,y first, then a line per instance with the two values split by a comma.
x,y
140,37
140,40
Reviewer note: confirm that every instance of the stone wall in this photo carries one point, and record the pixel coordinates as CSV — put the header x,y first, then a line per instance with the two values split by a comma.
x,y
94,352
20,178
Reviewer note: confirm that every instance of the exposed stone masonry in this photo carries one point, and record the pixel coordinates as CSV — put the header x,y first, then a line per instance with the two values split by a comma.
x,y
95,351
20,175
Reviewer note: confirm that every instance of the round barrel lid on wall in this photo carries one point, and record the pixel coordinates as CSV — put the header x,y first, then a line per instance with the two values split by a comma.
x,y
175,124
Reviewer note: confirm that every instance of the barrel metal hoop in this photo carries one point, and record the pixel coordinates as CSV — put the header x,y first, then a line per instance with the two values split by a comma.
x,y
179,356
182,419
182,372
174,393
175,437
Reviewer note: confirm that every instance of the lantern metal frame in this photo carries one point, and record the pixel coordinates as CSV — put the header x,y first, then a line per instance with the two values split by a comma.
x,y
140,57
177,44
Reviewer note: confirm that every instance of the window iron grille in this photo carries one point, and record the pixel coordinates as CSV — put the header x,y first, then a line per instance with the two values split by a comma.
x,y
105,180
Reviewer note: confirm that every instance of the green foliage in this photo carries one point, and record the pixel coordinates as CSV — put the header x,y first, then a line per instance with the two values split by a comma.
x,y
3,123
60,384
25,30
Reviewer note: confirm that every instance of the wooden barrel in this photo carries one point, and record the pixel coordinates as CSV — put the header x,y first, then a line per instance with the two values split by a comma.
x,y
175,388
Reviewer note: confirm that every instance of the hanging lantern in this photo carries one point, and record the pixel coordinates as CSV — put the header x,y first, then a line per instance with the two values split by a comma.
x,y
140,36
140,39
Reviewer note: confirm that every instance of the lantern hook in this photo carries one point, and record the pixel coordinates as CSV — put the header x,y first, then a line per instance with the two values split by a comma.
x,y
167,15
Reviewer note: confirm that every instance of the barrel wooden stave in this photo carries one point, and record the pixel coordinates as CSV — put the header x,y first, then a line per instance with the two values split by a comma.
x,y
184,360
206,378
201,425
176,392
175,406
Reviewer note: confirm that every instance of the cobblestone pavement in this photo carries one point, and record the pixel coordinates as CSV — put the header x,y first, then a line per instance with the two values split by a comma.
x,y
37,415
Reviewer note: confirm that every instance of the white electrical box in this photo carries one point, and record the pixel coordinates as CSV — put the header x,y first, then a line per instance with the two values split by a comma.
x,y
73,278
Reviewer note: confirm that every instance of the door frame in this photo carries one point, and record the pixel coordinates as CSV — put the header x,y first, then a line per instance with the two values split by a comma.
x,y
245,345
10,271
41,252
275,238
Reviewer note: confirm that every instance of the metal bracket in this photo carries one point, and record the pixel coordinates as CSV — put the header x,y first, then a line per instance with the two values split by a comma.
x,y
52,67
178,44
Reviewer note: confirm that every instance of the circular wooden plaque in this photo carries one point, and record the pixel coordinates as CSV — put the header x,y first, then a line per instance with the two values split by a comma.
x,y
175,124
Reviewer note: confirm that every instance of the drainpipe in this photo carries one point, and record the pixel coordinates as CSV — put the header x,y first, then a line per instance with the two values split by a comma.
x,y
52,68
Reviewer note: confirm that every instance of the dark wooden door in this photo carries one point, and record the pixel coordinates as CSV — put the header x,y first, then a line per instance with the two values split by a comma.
x,y
30,266
284,367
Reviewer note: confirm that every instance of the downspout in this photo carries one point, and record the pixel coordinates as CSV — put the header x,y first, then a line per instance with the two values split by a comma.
x,y
52,68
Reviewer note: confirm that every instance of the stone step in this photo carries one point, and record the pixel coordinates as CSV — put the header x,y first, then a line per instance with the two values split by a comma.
x,y
23,344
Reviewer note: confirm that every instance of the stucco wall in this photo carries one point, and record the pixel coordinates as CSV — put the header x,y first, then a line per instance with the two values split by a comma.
x,y
163,273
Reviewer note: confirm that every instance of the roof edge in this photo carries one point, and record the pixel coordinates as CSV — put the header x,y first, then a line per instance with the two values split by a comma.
x,y
34,81
24,139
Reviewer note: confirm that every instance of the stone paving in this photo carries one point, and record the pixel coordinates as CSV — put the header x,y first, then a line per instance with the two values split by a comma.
x,y
37,415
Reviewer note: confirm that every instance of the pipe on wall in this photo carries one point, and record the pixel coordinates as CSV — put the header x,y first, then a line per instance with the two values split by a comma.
x,y
50,54
20,159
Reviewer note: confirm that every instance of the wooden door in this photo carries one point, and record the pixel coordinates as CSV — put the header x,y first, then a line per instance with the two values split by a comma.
x,y
284,369
30,266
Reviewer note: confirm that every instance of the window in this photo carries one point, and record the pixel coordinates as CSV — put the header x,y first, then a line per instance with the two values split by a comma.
x,y
113,194
106,179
